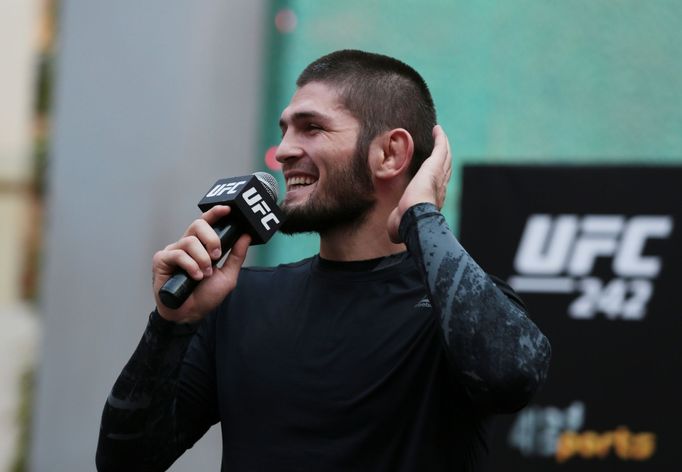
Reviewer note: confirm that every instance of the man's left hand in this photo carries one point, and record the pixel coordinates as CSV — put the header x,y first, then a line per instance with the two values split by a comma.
x,y
429,183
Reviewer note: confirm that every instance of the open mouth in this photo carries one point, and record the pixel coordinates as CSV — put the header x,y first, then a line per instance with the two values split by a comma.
x,y
299,182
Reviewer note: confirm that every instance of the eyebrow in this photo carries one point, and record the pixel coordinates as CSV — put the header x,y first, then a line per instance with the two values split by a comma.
x,y
304,115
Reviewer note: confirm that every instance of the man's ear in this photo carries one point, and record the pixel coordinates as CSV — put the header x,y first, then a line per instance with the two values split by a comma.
x,y
391,153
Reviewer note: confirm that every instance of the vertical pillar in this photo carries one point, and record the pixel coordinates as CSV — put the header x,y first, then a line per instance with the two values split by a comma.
x,y
154,101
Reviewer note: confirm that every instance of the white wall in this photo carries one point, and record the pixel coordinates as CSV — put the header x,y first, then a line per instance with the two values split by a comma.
x,y
155,100
18,31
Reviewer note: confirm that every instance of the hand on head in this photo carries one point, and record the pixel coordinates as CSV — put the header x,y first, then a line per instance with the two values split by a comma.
x,y
429,185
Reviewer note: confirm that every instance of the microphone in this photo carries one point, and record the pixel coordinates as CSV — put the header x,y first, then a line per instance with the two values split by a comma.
x,y
254,210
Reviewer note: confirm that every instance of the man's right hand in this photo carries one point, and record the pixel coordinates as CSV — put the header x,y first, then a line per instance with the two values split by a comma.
x,y
195,253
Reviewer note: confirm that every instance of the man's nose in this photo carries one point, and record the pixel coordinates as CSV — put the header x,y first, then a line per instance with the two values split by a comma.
x,y
287,149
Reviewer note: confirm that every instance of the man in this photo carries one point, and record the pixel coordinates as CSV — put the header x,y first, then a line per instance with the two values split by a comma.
x,y
388,351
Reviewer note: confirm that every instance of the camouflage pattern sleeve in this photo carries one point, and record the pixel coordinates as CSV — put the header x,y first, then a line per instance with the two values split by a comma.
x,y
149,419
498,354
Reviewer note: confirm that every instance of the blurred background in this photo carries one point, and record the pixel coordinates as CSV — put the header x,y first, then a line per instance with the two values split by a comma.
x,y
116,117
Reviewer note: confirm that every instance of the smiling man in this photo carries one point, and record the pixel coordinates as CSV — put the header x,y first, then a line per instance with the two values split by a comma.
x,y
333,186
387,351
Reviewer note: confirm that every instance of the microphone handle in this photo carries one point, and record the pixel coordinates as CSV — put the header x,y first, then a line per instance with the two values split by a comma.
x,y
179,287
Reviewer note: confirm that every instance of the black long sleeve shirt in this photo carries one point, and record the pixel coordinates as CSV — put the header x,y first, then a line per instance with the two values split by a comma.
x,y
385,365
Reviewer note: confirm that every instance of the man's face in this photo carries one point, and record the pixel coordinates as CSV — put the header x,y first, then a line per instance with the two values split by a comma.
x,y
328,183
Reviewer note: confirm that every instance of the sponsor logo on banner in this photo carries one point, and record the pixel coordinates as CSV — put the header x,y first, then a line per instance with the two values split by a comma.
x,y
595,253
553,432
557,254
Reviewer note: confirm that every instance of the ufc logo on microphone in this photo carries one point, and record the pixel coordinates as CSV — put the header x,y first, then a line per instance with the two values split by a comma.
x,y
259,206
557,254
228,188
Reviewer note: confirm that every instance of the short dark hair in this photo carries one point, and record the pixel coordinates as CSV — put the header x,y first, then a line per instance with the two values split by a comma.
x,y
383,93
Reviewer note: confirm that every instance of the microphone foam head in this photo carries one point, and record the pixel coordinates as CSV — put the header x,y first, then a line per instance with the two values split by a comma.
x,y
270,184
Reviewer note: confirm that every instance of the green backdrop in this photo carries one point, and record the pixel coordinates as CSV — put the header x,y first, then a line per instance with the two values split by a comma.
x,y
518,81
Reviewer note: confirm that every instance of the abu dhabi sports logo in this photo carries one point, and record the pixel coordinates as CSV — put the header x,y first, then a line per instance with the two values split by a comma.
x,y
557,254
551,431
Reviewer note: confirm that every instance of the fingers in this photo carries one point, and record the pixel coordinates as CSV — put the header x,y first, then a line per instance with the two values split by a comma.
x,y
196,250
195,253
429,183
442,153
441,158
202,230
235,258
215,213
441,149
169,260
448,157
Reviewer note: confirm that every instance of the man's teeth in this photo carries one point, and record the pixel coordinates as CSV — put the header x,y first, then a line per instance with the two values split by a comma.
x,y
300,181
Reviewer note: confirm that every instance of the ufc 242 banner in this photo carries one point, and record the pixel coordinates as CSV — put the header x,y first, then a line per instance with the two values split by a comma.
x,y
596,255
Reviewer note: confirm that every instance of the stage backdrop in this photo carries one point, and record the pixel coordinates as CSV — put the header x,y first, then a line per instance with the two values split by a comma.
x,y
585,81
595,253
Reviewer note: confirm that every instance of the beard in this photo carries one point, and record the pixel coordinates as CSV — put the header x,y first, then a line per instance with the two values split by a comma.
x,y
345,202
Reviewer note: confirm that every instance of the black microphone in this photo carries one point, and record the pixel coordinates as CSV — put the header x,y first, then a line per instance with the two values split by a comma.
x,y
254,210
